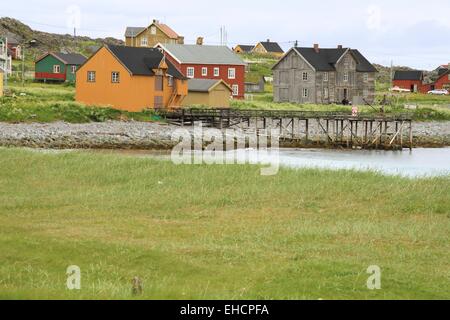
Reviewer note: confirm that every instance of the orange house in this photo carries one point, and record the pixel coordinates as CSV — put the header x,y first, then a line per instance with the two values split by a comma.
x,y
131,79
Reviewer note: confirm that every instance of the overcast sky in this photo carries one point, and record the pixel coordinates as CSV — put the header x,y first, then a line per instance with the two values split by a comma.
x,y
409,32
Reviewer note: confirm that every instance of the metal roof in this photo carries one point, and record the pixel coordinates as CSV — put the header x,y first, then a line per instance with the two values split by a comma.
x,y
204,85
142,61
71,58
408,75
272,47
195,54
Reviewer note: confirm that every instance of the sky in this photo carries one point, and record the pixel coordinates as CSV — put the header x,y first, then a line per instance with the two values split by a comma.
x,y
406,32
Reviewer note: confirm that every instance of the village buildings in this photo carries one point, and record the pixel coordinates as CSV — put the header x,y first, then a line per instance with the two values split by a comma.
x,y
208,62
241,48
414,80
270,48
150,36
58,66
324,75
131,79
5,58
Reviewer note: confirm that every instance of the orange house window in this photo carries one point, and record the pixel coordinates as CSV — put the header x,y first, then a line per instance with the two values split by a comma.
x,y
115,77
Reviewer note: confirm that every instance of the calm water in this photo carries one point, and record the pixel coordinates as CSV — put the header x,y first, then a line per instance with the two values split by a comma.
x,y
418,163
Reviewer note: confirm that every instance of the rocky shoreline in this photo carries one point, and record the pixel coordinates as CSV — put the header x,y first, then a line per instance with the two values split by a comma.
x,y
148,136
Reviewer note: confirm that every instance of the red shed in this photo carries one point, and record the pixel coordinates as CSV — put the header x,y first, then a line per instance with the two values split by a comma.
x,y
208,62
410,80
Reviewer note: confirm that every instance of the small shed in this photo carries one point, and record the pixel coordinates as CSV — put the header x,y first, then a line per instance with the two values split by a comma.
x,y
1,82
255,86
58,67
207,92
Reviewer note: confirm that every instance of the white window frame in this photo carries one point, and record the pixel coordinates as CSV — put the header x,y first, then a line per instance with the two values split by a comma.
x,y
326,77
144,42
366,77
346,76
235,88
326,93
91,76
305,92
56,68
204,71
231,73
115,77
216,72
170,81
305,76
190,72
153,30
74,69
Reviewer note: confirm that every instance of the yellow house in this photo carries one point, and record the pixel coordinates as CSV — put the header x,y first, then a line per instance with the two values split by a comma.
x,y
207,92
241,48
152,35
1,82
270,48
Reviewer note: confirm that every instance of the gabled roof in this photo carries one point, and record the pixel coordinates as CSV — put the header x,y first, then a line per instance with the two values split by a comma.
x,y
325,59
142,61
272,47
66,58
408,75
442,70
443,74
245,48
205,85
195,54
135,31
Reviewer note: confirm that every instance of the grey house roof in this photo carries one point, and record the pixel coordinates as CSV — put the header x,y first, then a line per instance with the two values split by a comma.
x,y
71,58
272,47
142,61
326,59
202,85
195,54
408,75
133,31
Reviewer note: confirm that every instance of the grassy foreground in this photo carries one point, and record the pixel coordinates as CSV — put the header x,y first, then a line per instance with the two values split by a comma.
x,y
216,232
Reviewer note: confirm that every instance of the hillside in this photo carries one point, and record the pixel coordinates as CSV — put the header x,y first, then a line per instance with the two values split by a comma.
x,y
13,28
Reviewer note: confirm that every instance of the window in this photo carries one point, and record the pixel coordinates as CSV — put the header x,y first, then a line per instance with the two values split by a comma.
x,y
305,93
115,77
305,76
365,93
144,42
56,68
91,76
235,90
345,76
153,30
366,77
325,77
170,81
159,86
216,72
231,73
204,71
325,93
74,69
190,72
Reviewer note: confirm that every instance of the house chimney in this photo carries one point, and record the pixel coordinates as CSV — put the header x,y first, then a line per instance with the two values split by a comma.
x,y
200,41
340,46
316,48
155,21
268,40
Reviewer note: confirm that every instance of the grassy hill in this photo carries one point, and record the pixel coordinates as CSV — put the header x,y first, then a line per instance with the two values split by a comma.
x,y
13,28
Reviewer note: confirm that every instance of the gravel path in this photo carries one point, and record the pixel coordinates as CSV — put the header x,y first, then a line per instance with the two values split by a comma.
x,y
140,135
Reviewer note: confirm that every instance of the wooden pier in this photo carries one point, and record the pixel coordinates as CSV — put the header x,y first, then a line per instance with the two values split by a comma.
x,y
339,129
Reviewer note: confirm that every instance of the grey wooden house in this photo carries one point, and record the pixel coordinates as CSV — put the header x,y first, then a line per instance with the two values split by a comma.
x,y
322,76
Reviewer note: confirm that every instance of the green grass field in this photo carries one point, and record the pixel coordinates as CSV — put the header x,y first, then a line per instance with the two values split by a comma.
x,y
216,232
47,103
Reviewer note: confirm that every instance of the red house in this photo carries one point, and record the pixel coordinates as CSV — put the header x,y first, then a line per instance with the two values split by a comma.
x,y
208,62
409,80
443,82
